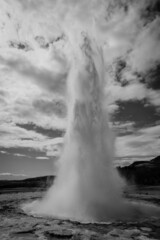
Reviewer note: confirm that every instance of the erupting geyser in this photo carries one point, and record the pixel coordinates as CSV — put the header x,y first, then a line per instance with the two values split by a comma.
x,y
87,186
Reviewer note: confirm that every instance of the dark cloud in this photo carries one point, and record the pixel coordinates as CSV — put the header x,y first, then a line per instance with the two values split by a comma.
x,y
152,77
24,151
150,10
139,112
123,128
119,69
43,43
114,6
20,45
28,165
54,107
136,144
51,133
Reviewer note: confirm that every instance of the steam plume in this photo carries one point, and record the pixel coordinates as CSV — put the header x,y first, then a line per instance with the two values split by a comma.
x,y
87,186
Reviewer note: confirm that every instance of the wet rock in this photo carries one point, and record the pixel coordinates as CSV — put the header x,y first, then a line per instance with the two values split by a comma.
x,y
15,226
58,234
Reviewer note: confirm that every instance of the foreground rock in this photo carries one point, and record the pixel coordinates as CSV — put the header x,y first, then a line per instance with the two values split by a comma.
x,y
16,225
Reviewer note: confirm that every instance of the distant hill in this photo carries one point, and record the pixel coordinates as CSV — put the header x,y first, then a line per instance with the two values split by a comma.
x,y
142,172
29,184
139,173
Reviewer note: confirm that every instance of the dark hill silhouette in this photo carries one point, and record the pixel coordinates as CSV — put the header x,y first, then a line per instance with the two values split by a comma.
x,y
142,172
29,184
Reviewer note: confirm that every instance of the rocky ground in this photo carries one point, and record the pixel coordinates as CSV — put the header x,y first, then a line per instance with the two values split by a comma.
x,y
16,225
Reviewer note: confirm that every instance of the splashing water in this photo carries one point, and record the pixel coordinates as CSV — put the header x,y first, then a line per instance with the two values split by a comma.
x,y
87,186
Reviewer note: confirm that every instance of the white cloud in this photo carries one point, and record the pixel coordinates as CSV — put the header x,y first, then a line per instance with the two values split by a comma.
x,y
120,31
134,91
154,97
54,82
12,174
20,99
42,158
16,137
3,152
123,127
143,142
27,77
20,155
112,108
15,132
145,52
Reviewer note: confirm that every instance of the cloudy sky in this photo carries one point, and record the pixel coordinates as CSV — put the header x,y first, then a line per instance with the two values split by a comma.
x,y
37,41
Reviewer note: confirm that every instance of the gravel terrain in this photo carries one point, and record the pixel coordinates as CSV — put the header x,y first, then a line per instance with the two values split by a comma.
x,y
16,225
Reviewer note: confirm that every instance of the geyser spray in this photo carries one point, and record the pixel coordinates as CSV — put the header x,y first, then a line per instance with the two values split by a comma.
x,y
87,185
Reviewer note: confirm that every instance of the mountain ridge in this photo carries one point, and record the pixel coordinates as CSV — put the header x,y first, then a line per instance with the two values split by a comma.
x,y
138,173
142,172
